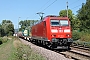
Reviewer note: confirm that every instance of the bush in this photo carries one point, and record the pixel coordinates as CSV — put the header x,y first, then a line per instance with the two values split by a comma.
x,y
3,40
76,35
85,37
82,36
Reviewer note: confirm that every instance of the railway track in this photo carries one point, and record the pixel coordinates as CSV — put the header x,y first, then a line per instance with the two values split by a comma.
x,y
80,46
81,50
77,53
74,54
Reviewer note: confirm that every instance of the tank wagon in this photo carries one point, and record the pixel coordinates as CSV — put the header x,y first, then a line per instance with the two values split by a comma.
x,y
53,32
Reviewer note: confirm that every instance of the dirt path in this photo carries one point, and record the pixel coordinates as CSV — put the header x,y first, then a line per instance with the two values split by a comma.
x,y
5,50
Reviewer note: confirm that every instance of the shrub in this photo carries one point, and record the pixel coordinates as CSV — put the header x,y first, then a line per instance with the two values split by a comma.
x,y
3,40
85,37
76,35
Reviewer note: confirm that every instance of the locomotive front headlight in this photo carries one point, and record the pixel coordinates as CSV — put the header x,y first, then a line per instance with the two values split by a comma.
x,y
68,35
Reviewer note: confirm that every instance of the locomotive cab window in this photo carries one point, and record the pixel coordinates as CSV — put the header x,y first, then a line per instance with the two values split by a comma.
x,y
59,23
54,22
64,22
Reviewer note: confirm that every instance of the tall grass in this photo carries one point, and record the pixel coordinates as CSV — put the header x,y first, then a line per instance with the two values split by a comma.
x,y
24,52
14,49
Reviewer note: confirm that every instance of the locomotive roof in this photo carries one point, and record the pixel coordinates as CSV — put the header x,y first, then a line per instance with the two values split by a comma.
x,y
54,17
51,17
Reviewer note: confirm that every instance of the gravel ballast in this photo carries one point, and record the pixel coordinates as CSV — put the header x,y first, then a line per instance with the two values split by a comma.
x,y
48,54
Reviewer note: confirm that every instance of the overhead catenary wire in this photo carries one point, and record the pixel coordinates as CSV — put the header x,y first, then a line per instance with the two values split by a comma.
x,y
49,5
74,2
41,7
54,2
45,4
76,6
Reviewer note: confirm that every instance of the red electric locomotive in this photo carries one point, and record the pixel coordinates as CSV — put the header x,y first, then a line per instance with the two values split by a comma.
x,y
53,31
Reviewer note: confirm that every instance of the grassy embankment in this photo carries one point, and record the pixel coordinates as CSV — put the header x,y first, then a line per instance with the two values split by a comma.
x,y
13,49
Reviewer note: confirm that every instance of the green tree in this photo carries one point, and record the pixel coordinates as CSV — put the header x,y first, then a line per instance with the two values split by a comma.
x,y
2,33
84,16
76,23
64,13
8,27
26,24
6,21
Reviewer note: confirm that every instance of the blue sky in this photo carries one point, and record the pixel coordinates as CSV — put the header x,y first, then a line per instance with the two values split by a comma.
x,y
27,9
